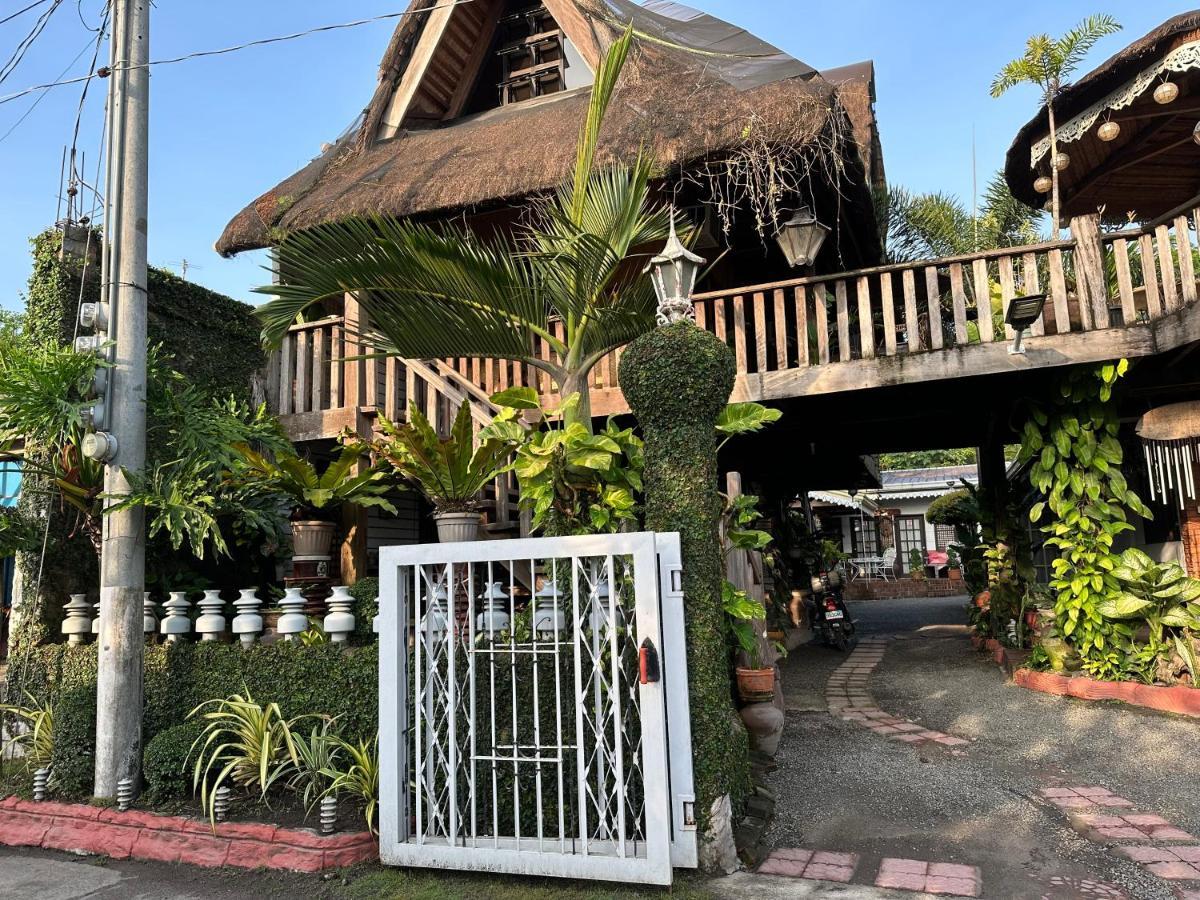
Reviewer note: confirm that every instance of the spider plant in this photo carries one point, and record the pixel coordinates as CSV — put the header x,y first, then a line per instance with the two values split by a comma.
x,y
36,739
360,779
318,755
247,743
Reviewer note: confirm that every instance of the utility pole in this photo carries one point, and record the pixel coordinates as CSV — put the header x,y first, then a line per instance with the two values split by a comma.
x,y
123,555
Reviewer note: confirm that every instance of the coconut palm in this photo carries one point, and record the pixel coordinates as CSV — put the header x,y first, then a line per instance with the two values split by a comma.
x,y
1047,63
433,292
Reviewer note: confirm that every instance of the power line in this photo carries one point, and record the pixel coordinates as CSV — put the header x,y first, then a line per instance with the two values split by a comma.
x,y
256,43
26,42
42,97
21,12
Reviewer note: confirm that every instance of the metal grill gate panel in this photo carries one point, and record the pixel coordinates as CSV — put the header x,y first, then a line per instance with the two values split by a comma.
x,y
516,734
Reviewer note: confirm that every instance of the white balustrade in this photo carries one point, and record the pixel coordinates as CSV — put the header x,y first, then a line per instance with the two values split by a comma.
x,y
176,623
494,616
149,616
293,621
247,624
77,625
96,620
548,616
433,623
211,623
339,623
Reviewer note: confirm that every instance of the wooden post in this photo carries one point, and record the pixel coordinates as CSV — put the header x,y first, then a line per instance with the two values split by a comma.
x,y
352,372
353,550
993,479
1089,271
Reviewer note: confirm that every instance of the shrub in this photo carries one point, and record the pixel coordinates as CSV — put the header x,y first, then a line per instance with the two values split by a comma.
x,y
165,762
364,592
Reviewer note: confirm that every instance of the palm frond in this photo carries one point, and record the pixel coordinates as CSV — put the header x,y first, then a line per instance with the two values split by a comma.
x,y
1073,46
603,87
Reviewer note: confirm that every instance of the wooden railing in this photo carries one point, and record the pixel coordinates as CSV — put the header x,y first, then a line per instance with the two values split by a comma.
x,y
1093,281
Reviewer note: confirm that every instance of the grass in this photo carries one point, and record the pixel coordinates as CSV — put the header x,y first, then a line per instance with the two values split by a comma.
x,y
413,884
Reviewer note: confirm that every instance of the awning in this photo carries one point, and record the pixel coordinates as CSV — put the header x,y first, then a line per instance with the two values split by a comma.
x,y
843,498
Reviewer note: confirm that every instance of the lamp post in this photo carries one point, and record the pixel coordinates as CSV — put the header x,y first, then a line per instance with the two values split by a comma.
x,y
673,273
801,238
1022,313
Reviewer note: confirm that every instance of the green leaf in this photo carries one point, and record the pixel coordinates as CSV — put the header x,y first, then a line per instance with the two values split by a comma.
x,y
745,418
517,398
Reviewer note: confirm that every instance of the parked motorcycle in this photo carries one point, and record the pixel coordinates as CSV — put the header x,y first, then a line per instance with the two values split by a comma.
x,y
827,613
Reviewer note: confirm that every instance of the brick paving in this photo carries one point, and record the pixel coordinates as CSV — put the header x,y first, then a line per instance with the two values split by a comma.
x,y
849,698
950,879
1170,859
818,865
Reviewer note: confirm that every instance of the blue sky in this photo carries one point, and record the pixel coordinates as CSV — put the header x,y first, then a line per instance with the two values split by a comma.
x,y
225,129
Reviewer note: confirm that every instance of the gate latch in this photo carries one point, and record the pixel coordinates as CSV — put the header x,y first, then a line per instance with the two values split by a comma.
x,y
648,662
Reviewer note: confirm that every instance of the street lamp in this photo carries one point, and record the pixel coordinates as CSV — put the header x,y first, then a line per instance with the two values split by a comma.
x,y
800,238
674,273
1022,313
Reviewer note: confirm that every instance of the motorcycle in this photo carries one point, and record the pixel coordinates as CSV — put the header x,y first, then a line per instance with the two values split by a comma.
x,y
828,616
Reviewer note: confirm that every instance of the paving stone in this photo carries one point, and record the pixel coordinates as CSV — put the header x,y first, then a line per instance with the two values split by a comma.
x,y
954,887
907,866
1175,871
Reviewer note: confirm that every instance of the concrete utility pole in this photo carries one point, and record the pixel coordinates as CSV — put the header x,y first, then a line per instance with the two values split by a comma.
x,y
123,557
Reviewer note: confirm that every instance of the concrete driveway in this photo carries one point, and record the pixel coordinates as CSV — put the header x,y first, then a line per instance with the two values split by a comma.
x,y
995,800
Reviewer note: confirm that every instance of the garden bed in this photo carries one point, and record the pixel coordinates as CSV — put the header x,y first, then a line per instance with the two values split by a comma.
x,y
1179,699
137,834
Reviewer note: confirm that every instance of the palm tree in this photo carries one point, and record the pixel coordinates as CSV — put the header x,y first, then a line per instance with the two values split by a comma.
x,y
433,292
1048,63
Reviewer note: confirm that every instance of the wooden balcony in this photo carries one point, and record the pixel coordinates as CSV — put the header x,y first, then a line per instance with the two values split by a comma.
x,y
1121,294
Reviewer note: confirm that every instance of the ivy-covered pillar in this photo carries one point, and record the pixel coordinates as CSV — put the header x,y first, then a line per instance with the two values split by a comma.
x,y
677,380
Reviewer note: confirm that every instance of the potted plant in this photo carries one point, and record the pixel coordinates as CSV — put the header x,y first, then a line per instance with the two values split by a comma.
x,y
916,565
955,563
451,472
315,496
755,682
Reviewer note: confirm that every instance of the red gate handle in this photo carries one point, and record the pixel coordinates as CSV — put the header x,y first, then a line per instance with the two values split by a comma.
x,y
648,662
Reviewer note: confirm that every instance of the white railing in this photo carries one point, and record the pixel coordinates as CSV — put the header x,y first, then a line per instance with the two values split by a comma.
x,y
517,733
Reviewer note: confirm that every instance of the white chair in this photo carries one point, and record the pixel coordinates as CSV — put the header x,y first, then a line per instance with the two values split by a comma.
x,y
887,564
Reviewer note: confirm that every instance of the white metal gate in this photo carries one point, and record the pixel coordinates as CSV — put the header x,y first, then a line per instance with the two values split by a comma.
x,y
533,708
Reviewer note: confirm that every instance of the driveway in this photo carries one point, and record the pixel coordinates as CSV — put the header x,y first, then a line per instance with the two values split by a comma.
x,y
881,784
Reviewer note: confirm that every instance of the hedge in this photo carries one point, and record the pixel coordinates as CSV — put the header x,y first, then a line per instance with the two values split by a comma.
x,y
178,677
677,380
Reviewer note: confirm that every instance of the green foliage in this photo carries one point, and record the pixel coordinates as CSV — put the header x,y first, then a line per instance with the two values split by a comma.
x,y
442,291
744,418
955,508
243,741
451,472
165,762
359,777
1075,464
364,591
740,613
32,729
1047,62
323,680
573,481
316,756
927,459
19,532
677,380
296,479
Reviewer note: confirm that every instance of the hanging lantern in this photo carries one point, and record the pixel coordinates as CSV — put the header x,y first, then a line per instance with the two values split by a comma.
x,y
1171,443
1043,184
1166,93
800,238
1196,133
1109,131
1061,161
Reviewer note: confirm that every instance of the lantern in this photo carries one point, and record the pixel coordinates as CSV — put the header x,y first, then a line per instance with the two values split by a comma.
x,y
1196,133
1061,161
800,238
1043,184
673,273
1109,131
1166,93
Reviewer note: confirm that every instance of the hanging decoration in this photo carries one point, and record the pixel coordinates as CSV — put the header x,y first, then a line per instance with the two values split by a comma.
x,y
1062,161
1043,184
1109,131
1170,438
1166,93
1182,59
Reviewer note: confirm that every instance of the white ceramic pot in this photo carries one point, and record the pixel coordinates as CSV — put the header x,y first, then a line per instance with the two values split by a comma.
x,y
457,527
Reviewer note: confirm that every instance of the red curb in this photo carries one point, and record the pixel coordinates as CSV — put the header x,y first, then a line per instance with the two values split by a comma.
x,y
139,834
1179,699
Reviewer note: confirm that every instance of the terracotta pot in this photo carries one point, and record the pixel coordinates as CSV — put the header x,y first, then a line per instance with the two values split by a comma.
x,y
311,538
956,574
457,527
776,636
756,685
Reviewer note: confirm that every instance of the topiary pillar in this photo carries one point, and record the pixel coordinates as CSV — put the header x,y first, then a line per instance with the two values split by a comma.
x,y
677,380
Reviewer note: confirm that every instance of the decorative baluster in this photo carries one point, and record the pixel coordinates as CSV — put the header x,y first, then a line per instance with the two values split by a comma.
x,y
293,621
149,617
96,620
221,803
375,618
176,622
339,624
433,623
495,609
600,596
247,624
124,794
548,617
211,623
76,626
41,778
329,810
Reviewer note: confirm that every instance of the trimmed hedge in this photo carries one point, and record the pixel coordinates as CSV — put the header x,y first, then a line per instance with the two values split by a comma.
x,y
164,762
179,677
677,380
365,591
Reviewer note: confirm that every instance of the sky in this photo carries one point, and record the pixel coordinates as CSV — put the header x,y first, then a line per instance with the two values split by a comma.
x,y
225,129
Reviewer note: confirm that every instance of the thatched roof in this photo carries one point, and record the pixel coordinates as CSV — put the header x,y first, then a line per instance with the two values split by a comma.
x,y
681,103
1151,166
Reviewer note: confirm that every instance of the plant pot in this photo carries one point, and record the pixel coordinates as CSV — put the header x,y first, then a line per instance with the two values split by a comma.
x,y
457,527
764,724
956,574
311,538
777,635
756,685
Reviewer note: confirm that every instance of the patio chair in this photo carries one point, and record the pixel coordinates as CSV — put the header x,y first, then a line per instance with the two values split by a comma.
x,y
887,564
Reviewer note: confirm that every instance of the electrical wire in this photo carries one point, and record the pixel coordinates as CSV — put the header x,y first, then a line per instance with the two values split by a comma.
x,y
18,55
21,12
42,97
256,43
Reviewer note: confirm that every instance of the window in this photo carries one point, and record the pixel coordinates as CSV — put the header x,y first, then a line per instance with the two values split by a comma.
x,y
865,535
945,535
911,533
